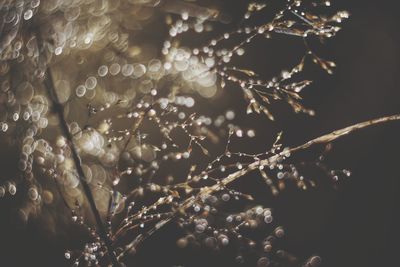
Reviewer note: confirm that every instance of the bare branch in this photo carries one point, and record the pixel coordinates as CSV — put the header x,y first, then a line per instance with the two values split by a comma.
x,y
205,191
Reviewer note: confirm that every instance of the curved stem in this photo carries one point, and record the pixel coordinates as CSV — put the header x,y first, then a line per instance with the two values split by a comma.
x,y
324,139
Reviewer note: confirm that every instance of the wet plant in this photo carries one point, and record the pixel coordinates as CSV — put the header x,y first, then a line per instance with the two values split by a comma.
x,y
112,107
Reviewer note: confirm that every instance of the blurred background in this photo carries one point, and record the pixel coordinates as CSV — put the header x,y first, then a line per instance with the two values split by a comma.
x,y
352,226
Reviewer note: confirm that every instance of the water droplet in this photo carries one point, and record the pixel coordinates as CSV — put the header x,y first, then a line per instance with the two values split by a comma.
x,y
127,70
115,68
102,71
12,189
91,82
80,90
33,193
28,14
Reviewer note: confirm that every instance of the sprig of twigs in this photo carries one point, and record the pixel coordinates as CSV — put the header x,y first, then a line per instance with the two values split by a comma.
x,y
324,139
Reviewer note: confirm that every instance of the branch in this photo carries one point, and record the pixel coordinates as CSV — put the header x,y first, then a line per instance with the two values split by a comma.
x,y
324,139
58,109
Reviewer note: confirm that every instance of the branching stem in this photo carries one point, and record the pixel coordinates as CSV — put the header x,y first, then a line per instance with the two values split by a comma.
x,y
324,139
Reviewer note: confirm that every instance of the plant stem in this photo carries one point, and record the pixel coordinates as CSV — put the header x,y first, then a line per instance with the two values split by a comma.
x,y
324,139
59,110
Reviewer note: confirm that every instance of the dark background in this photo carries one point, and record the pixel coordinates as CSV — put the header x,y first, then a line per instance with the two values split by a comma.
x,y
354,226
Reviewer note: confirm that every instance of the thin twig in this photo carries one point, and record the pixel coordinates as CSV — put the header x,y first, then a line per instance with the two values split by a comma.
x,y
324,139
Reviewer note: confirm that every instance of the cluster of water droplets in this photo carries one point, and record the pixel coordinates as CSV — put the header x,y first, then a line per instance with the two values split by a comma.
x,y
132,111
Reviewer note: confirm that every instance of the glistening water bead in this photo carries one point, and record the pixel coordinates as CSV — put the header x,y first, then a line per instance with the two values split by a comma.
x,y
127,69
12,189
80,90
102,71
114,69
91,83
33,193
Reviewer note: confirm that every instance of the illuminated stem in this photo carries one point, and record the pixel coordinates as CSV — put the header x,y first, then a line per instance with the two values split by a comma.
x,y
324,139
